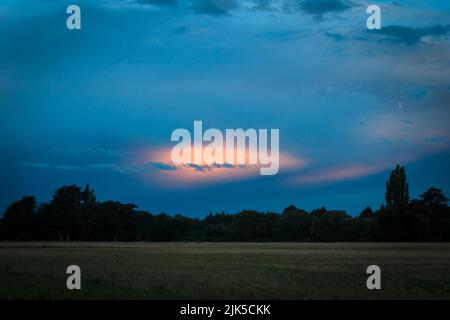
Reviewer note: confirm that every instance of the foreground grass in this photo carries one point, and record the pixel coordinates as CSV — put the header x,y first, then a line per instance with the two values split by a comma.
x,y
36,270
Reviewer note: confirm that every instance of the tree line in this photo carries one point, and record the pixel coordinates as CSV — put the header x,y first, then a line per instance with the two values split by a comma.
x,y
74,214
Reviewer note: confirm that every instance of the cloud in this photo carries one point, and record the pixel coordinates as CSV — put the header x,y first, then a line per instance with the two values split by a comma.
x,y
408,35
180,30
207,7
226,165
96,166
159,3
335,36
41,165
209,168
263,5
337,174
319,8
167,166
161,166
197,167
114,153
214,7
438,140
284,35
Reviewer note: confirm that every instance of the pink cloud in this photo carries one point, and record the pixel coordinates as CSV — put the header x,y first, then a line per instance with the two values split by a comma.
x,y
345,172
341,173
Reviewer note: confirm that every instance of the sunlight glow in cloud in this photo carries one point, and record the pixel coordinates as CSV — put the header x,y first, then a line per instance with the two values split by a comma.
x,y
160,168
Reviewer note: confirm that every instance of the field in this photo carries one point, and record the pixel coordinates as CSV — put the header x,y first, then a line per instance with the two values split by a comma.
x,y
224,270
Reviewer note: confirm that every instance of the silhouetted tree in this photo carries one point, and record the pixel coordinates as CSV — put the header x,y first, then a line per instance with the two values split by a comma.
x,y
434,198
250,226
329,225
432,205
75,214
367,213
88,196
160,228
293,225
65,207
19,219
186,229
216,227
397,189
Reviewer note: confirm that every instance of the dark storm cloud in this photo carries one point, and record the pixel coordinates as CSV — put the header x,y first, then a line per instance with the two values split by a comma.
x,y
410,36
318,8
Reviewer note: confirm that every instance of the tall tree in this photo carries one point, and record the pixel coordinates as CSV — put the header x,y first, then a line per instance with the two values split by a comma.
x,y
397,189
88,196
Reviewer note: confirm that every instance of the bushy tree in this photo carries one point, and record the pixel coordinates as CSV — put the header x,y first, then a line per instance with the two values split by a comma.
x,y
250,226
432,204
367,213
293,225
19,220
434,198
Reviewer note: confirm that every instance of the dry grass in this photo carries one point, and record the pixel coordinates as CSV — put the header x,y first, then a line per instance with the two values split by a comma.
x,y
36,270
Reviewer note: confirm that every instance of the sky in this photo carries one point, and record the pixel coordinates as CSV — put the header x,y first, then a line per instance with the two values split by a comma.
x,y
98,105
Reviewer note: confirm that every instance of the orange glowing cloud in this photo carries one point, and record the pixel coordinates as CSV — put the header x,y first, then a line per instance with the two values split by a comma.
x,y
160,167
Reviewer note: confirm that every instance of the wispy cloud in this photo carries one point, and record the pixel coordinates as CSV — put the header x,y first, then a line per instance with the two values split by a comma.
x,y
408,35
438,140
96,166
206,7
161,3
161,166
166,166
283,35
214,7
318,8
336,174
335,36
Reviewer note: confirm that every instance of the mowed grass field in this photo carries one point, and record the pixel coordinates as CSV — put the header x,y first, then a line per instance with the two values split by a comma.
x,y
224,270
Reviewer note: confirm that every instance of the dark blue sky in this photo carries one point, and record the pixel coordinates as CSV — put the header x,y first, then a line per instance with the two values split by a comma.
x,y
98,105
